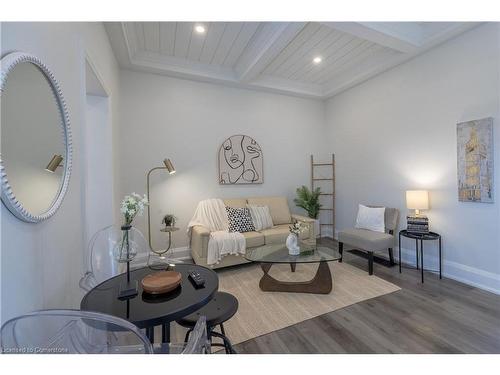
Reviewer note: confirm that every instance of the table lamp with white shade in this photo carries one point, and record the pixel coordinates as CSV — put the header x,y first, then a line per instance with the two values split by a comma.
x,y
417,200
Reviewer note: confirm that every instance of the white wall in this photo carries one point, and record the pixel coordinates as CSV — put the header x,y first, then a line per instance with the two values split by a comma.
x,y
392,133
42,263
187,121
397,131
98,166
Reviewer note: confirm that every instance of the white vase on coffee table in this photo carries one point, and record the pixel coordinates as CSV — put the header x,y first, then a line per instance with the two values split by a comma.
x,y
292,244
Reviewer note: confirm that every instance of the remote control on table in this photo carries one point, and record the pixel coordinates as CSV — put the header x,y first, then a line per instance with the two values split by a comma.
x,y
196,278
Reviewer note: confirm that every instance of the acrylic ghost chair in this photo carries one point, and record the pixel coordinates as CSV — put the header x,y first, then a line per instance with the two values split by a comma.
x,y
102,264
75,331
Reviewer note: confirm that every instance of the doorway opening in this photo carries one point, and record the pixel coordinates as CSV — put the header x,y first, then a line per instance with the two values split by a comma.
x,y
97,155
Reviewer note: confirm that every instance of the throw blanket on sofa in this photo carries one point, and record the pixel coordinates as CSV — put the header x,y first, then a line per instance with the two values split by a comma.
x,y
211,214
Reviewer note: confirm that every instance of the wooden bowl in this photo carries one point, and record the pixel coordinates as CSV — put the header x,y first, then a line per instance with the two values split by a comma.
x,y
161,282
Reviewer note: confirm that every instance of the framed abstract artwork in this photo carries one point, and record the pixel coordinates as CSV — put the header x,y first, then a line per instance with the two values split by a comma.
x,y
240,161
475,160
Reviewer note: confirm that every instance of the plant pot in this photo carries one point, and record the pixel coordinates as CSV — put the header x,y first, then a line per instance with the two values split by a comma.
x,y
292,244
169,220
316,228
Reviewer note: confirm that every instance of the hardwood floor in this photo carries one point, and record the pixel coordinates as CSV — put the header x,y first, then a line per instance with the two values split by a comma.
x,y
439,316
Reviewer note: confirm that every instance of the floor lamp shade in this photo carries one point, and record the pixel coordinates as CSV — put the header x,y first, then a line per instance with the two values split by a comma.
x,y
54,163
170,167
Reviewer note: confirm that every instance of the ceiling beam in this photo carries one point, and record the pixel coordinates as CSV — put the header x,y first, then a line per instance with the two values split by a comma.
x,y
406,40
115,31
362,72
370,68
400,37
265,47
283,85
183,68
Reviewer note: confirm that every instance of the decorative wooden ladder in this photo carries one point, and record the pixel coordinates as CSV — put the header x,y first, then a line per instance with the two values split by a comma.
x,y
332,193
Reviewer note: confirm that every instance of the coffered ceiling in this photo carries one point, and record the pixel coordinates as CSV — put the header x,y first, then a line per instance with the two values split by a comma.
x,y
309,59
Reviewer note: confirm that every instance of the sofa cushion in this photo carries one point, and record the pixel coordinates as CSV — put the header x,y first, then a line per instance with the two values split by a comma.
x,y
277,234
261,217
371,218
240,220
254,239
365,239
235,202
278,206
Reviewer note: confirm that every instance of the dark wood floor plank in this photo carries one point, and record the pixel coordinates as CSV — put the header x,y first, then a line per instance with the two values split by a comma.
x,y
439,316
399,328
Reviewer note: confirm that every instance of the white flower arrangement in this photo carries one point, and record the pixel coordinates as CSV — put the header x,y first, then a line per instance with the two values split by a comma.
x,y
297,228
133,205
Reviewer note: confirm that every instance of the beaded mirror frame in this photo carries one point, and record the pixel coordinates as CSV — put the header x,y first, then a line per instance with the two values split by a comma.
x,y
8,197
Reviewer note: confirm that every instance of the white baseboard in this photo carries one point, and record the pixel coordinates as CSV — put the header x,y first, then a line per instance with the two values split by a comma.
x,y
181,253
460,272
468,275
476,277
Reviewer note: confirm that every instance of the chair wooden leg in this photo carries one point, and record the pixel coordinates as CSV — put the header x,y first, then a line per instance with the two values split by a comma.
x,y
341,250
391,257
370,262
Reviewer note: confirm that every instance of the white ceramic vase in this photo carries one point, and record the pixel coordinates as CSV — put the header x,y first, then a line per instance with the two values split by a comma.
x,y
292,243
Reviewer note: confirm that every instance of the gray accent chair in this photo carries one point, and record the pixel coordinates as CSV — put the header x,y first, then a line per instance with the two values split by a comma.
x,y
371,241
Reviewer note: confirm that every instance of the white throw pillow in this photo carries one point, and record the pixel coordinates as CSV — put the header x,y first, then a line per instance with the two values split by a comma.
x,y
261,217
371,218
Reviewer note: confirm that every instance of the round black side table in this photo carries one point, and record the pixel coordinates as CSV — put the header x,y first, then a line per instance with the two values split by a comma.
x,y
421,237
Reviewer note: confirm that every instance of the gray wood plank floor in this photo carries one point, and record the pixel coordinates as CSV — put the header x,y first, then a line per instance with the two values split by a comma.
x,y
439,316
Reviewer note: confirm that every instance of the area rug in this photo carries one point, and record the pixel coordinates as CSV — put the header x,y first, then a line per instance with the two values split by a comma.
x,y
263,312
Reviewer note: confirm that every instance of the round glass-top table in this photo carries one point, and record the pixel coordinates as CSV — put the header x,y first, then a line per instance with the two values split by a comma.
x,y
268,255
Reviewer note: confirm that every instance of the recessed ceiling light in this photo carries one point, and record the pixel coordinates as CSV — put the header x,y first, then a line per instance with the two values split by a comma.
x,y
200,29
317,60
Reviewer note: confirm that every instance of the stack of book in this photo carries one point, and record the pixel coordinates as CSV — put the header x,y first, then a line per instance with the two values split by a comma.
x,y
417,224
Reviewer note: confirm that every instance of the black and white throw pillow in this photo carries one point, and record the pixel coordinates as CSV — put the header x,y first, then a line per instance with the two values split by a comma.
x,y
240,220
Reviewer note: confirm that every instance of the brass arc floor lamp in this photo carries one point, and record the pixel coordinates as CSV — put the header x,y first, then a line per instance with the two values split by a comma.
x,y
171,170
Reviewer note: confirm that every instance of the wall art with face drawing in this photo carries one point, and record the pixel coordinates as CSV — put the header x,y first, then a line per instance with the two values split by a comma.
x,y
240,161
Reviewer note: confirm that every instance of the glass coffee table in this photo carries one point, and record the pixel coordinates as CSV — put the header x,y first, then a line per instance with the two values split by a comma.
x,y
268,255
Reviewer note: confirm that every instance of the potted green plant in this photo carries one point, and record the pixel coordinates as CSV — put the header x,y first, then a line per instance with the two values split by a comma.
x,y
169,220
309,201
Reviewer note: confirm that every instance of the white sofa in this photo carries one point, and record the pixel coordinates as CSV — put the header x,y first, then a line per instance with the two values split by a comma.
x,y
282,218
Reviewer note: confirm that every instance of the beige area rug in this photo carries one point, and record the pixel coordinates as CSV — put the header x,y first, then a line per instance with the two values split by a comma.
x,y
263,312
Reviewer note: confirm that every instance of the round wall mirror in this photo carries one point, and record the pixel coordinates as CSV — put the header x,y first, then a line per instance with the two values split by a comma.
x,y
35,163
